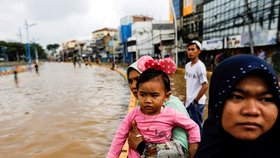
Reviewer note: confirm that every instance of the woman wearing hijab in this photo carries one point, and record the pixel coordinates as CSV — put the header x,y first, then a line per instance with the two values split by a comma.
x,y
243,116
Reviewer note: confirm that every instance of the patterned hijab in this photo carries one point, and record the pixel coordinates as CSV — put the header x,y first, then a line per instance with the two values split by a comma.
x,y
216,143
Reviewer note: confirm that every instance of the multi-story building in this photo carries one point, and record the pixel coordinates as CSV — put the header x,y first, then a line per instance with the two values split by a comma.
x,y
68,50
230,26
125,33
192,20
105,40
163,39
189,24
151,38
74,48
241,26
141,41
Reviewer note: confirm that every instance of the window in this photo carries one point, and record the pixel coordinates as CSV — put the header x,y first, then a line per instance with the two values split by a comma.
x,y
192,27
187,3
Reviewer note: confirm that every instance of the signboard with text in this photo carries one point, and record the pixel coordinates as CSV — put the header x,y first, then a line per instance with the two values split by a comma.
x,y
233,42
213,44
260,38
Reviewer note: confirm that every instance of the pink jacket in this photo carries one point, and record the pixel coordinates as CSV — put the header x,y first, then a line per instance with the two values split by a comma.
x,y
154,128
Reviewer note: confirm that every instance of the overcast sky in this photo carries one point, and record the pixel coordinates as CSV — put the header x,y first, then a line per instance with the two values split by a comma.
x,y
58,21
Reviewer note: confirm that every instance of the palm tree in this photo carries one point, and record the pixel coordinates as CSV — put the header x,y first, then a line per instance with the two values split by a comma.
x,y
52,48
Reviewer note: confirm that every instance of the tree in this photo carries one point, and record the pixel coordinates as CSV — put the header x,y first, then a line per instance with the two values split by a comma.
x,y
15,50
52,47
40,51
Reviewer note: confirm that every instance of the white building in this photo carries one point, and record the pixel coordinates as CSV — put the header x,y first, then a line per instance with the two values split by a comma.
x,y
151,38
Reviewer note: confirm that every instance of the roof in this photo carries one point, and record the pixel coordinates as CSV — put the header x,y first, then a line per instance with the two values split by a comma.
x,y
106,29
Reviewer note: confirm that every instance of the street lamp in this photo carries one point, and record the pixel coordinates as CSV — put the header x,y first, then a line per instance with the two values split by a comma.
x,y
35,51
27,41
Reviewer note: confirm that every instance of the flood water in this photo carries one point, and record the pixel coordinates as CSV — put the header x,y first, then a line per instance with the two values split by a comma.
x,y
61,112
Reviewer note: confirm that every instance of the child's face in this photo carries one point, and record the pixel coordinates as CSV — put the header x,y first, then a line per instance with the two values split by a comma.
x,y
151,96
250,110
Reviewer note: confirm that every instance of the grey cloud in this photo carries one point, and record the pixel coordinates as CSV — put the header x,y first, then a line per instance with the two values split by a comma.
x,y
58,21
52,10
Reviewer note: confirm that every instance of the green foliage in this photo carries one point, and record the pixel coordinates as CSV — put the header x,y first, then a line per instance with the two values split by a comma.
x,y
52,47
15,50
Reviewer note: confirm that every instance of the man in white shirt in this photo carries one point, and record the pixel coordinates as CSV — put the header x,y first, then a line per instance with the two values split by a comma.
x,y
196,83
262,54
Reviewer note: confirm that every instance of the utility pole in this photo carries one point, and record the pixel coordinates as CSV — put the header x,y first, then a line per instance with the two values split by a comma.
x,y
161,47
27,41
175,29
36,54
249,16
19,35
20,41
35,51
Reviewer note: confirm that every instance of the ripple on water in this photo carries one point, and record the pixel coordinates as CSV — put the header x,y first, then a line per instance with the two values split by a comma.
x,y
63,112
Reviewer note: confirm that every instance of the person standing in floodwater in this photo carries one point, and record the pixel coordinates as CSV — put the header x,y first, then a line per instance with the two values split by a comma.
x,y
74,61
36,68
16,77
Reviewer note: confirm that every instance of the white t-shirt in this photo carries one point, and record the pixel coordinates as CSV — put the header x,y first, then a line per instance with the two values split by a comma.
x,y
195,75
262,55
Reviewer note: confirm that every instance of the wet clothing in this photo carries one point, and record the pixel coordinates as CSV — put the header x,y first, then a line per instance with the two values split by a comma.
x,y
154,128
216,143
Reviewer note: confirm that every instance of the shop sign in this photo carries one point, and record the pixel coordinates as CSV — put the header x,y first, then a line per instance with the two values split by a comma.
x,y
233,42
260,38
212,44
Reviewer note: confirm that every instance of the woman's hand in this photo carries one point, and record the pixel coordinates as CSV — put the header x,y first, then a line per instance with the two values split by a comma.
x,y
192,149
134,137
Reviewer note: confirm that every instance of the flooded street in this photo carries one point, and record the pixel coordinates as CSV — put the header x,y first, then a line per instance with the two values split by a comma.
x,y
61,112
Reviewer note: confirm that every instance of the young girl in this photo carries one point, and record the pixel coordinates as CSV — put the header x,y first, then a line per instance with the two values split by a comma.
x,y
155,122
179,135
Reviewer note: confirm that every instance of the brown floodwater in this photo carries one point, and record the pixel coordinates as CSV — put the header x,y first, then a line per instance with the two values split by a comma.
x,y
61,112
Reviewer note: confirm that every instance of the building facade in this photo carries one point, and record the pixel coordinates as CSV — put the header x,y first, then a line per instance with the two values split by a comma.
x,y
241,26
152,38
126,32
105,39
189,25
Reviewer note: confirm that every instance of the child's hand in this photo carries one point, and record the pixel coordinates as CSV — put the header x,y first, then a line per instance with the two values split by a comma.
x,y
192,149
134,136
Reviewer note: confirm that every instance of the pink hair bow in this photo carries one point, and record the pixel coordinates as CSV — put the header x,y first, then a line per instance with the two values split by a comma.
x,y
166,65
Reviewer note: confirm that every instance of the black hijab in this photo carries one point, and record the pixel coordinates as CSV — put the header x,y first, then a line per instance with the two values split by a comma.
x,y
216,143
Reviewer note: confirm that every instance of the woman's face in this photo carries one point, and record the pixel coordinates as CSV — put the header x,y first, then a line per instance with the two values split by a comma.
x,y
250,110
133,76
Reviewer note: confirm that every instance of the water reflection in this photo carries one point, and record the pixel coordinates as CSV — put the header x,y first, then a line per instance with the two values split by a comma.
x,y
63,112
